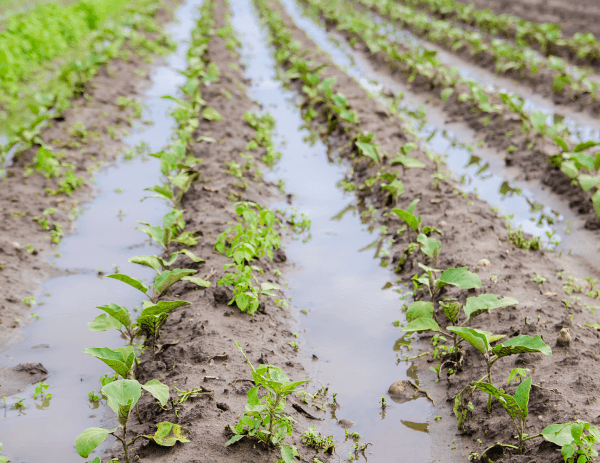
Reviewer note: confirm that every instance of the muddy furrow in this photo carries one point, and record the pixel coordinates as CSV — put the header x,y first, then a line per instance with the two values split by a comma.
x,y
464,222
500,128
39,203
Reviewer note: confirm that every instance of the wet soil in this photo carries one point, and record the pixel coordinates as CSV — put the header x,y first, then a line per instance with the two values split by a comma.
x,y
25,247
472,233
500,132
581,16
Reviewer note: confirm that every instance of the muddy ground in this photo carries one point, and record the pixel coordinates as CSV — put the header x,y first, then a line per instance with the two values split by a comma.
x,y
88,147
581,16
472,233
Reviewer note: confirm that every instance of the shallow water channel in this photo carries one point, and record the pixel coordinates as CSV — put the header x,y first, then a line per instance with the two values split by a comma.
x,y
535,209
349,321
104,238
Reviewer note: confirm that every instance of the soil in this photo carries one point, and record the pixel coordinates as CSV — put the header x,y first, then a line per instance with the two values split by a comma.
x,y
472,232
581,16
530,162
205,355
22,197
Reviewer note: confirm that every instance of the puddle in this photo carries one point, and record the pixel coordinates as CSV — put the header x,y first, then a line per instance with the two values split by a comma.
x,y
530,205
103,240
349,318
581,124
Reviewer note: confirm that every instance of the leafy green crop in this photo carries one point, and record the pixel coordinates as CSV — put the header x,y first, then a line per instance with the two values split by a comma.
x,y
575,439
122,397
264,418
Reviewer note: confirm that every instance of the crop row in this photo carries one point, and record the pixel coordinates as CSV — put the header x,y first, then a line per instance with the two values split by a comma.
x,y
583,46
31,100
503,111
550,75
322,108
256,235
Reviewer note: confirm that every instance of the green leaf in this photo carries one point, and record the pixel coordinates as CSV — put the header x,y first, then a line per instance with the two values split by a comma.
x,y
122,393
538,120
406,161
168,434
104,322
486,302
288,452
199,281
585,145
158,390
521,344
596,202
569,169
169,277
460,277
477,338
191,255
369,150
151,261
588,182
451,310
419,309
562,143
446,93
163,191
507,401
118,312
234,439
211,114
159,234
89,439
412,221
422,324
559,434
430,246
522,396
412,206
120,359
137,284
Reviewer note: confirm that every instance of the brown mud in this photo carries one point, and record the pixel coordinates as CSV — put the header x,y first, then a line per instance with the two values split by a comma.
x,y
103,124
531,162
205,355
565,382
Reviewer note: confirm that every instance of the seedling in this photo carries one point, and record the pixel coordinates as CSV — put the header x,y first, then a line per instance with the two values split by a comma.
x,y
312,438
39,391
575,439
122,396
264,418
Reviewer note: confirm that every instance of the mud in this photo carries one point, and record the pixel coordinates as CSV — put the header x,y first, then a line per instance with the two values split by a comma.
x,y
472,233
25,247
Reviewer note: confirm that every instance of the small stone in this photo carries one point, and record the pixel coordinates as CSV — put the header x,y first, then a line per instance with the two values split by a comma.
x,y
346,423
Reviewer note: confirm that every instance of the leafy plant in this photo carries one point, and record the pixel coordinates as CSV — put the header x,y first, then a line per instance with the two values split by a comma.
x,y
576,440
264,418
312,438
122,396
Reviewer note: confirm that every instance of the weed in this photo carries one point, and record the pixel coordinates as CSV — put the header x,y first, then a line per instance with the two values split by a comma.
x,y
312,438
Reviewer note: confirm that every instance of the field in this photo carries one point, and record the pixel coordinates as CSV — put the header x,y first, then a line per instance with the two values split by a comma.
x,y
363,229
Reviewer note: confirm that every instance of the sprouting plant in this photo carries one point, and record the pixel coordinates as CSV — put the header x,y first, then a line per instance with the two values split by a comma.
x,y
576,440
264,418
149,322
517,375
539,279
93,397
516,406
19,404
122,397
3,459
312,438
39,391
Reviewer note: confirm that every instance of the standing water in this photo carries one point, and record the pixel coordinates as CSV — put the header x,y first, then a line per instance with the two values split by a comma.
x,y
105,238
349,318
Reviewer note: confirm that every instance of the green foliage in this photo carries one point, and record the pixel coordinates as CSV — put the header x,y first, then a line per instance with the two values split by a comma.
x,y
312,438
264,417
576,440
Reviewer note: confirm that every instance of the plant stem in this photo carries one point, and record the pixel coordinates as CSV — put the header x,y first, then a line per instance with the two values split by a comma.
x,y
124,442
489,405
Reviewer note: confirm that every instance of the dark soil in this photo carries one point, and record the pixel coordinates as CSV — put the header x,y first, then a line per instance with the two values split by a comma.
x,y
472,233
22,197
205,355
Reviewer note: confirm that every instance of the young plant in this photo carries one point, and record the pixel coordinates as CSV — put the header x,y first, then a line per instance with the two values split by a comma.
x,y
122,397
515,406
575,439
312,438
264,418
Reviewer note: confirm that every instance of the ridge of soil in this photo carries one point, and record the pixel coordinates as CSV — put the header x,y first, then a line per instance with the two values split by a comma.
x,y
540,82
472,233
205,355
581,16
531,162
22,271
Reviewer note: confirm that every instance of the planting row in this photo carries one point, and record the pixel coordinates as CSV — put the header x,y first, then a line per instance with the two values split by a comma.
x,y
246,247
551,76
582,47
335,119
514,129
34,92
